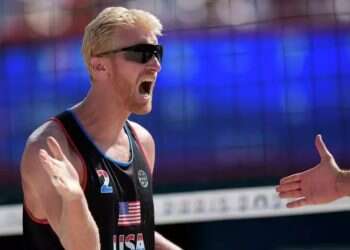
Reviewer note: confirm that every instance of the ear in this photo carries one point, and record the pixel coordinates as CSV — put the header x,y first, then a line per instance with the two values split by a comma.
x,y
97,65
100,68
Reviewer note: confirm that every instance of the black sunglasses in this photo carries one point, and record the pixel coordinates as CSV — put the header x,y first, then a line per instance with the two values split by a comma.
x,y
140,53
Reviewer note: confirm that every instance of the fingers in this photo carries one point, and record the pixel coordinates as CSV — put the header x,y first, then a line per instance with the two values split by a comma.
x,y
55,148
46,161
44,156
48,164
292,191
291,194
289,190
322,148
291,178
298,203
288,187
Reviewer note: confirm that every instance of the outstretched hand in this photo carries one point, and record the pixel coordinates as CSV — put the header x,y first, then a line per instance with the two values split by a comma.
x,y
314,186
60,170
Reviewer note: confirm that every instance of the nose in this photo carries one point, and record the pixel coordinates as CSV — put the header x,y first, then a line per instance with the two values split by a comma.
x,y
154,64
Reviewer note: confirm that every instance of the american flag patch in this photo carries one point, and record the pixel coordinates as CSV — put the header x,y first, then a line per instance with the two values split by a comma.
x,y
129,213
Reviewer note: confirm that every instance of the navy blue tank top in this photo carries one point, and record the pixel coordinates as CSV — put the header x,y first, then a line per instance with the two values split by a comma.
x,y
119,195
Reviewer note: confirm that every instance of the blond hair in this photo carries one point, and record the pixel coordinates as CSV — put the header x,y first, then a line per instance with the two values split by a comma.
x,y
99,32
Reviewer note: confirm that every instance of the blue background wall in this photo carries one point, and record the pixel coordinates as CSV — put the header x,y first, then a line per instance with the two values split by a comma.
x,y
230,108
234,106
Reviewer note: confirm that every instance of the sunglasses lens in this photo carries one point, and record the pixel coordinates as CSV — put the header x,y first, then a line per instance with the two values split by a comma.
x,y
134,56
158,54
147,55
143,53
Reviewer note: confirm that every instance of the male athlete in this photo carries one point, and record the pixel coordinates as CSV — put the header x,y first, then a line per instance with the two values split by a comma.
x,y
87,173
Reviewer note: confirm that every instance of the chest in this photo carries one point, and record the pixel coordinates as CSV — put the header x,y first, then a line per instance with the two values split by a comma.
x,y
119,152
112,180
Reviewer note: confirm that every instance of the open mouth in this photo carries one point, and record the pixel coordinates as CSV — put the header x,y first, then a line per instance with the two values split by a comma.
x,y
145,87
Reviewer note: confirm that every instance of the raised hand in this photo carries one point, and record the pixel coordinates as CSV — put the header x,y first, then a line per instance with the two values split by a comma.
x,y
314,186
62,174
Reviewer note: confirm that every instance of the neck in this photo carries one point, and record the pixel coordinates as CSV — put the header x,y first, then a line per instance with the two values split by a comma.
x,y
102,118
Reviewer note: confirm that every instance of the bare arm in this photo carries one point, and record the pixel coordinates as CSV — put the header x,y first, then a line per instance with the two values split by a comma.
x,y
147,141
321,184
52,191
162,243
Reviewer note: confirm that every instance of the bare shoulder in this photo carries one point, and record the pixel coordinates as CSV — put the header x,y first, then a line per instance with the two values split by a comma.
x,y
32,174
40,197
30,165
36,198
146,140
38,140
39,135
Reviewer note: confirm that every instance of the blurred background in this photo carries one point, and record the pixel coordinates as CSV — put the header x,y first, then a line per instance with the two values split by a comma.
x,y
245,87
